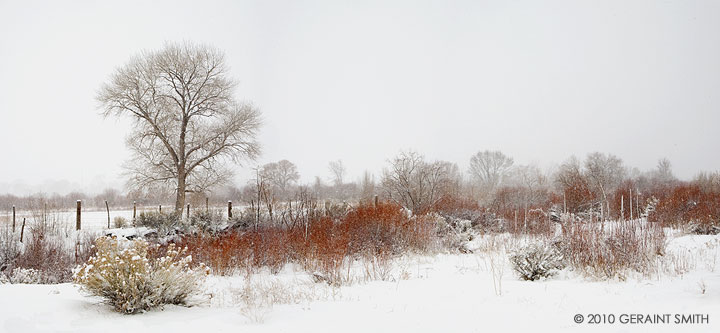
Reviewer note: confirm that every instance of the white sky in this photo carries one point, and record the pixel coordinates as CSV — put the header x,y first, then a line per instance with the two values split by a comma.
x,y
360,81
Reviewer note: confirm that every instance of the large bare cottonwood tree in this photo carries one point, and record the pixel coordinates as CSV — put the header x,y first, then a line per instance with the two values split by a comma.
x,y
187,125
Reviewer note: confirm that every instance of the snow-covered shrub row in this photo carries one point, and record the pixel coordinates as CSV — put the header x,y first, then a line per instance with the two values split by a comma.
x,y
201,221
209,220
480,220
25,276
537,260
47,250
214,221
163,223
127,279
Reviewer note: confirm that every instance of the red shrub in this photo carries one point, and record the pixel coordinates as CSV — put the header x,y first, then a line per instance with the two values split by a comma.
x,y
324,245
687,203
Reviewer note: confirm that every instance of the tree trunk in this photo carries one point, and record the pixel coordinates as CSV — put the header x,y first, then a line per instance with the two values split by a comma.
x,y
180,196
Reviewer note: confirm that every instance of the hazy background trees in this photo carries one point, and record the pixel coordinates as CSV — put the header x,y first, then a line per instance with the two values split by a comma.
x,y
417,184
281,176
187,125
605,172
598,186
488,168
337,171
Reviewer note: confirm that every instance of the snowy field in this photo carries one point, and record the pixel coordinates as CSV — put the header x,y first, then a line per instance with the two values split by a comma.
x,y
445,293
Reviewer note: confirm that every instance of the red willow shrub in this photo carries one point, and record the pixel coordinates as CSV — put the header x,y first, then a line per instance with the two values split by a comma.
x,y
687,203
366,231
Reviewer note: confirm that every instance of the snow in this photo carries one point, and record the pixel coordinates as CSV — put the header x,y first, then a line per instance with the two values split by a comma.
x,y
442,293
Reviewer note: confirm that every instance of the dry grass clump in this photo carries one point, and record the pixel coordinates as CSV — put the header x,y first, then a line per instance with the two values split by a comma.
x,y
607,250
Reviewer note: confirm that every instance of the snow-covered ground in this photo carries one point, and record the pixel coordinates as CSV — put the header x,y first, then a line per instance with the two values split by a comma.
x,y
445,293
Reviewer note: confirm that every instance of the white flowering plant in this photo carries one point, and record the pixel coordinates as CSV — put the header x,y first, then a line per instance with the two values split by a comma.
x,y
128,280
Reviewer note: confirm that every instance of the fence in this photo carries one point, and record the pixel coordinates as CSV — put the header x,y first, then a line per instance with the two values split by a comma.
x,y
94,219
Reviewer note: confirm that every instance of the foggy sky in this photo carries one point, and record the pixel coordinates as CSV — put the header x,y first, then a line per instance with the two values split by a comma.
x,y
361,81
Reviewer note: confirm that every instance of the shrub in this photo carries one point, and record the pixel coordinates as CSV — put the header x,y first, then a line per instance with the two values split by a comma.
x,y
120,222
479,219
164,223
9,248
45,251
25,276
122,273
386,228
606,250
704,228
207,220
322,245
689,204
537,260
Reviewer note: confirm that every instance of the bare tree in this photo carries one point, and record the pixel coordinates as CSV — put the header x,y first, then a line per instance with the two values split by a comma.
x,y
367,186
488,168
281,175
337,169
663,173
604,172
187,124
533,183
416,184
708,181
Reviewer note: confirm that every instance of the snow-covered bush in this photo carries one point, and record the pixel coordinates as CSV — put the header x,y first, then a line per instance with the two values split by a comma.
x,y
454,233
122,273
46,249
25,276
537,260
9,247
704,228
480,220
163,223
211,221
120,222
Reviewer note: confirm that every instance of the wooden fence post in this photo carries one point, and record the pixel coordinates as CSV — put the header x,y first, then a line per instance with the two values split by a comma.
x,y
77,215
631,207
22,231
188,211
207,204
108,212
229,210
160,208
134,212
13,219
376,201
